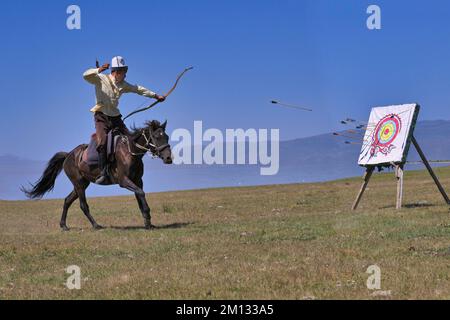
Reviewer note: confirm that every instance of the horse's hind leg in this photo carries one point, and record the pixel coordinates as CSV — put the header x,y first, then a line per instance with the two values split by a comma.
x,y
81,191
80,185
67,203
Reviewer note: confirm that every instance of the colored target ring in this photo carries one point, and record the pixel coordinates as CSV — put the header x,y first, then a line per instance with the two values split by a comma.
x,y
387,130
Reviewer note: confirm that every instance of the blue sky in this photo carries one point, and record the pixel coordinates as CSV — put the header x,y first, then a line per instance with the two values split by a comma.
x,y
317,54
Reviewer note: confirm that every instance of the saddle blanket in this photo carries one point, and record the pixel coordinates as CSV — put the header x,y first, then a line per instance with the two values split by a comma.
x,y
90,155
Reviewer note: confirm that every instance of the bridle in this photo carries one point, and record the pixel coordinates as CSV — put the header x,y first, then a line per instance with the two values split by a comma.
x,y
150,145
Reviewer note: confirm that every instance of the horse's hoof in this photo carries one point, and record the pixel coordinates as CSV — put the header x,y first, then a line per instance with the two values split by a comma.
x,y
149,227
64,228
98,227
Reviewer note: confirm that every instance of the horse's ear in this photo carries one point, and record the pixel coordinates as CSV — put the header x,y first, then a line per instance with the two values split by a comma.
x,y
164,125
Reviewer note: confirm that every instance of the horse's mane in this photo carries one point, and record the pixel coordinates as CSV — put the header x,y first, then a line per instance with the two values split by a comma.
x,y
136,131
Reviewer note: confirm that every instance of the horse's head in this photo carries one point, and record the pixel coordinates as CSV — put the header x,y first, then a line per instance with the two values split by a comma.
x,y
157,140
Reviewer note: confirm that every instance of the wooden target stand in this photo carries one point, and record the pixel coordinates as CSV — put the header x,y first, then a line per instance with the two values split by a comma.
x,y
399,175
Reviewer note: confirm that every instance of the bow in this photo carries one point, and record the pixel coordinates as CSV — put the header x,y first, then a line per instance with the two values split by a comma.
x,y
165,96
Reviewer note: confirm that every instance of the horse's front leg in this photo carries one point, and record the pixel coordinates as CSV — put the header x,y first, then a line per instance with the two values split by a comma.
x,y
140,197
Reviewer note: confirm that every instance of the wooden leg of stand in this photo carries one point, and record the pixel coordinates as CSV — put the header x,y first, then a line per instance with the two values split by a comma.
x,y
367,175
430,170
399,175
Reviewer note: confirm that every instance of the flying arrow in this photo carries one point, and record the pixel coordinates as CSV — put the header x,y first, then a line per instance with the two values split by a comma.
x,y
290,105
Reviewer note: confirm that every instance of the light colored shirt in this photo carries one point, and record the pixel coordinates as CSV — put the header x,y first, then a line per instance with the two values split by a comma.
x,y
108,92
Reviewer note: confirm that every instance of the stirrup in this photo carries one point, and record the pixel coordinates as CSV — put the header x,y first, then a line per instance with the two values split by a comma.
x,y
102,180
104,177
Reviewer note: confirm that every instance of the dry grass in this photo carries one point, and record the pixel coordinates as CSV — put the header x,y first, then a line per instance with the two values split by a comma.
x,y
271,242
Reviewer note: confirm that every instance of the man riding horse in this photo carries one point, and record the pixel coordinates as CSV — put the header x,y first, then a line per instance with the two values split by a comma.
x,y
128,168
108,90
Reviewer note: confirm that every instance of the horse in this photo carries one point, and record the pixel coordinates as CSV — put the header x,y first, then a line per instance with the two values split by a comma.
x,y
126,171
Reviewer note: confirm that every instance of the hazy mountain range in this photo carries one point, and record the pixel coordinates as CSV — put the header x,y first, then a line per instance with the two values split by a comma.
x,y
312,159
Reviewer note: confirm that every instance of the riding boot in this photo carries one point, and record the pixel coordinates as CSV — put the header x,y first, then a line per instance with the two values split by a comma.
x,y
103,166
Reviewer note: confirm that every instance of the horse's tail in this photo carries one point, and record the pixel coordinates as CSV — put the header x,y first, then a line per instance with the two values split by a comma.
x,y
47,181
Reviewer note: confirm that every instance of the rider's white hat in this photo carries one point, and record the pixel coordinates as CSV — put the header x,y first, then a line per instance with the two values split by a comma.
x,y
117,63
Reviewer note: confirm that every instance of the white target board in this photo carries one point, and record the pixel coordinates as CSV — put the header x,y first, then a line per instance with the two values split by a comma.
x,y
388,135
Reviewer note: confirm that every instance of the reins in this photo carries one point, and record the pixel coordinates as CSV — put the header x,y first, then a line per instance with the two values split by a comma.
x,y
149,142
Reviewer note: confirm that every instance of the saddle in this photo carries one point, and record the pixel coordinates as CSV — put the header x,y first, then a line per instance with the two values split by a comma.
x,y
90,154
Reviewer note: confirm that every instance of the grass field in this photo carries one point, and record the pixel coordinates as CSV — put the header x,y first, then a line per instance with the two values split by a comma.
x,y
269,242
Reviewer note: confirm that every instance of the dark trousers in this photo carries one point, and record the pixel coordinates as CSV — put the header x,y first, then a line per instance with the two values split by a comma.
x,y
104,124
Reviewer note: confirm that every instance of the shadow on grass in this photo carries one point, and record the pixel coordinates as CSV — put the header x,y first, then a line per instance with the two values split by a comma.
x,y
411,206
175,225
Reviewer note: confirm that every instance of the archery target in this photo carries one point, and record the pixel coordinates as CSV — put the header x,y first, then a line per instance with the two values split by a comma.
x,y
388,129
388,134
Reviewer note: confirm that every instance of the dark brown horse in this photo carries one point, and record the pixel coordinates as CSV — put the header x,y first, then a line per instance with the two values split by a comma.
x,y
126,171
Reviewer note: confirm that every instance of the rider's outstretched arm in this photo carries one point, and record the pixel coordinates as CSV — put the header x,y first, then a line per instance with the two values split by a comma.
x,y
140,90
